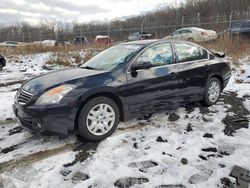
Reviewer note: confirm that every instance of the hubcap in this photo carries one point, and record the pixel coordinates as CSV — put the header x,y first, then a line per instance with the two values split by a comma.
x,y
213,91
100,119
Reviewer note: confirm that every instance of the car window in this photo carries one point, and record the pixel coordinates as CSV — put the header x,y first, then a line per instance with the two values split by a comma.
x,y
112,57
157,55
246,25
186,31
178,32
186,52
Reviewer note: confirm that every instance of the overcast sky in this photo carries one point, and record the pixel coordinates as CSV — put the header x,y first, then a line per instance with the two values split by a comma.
x,y
33,11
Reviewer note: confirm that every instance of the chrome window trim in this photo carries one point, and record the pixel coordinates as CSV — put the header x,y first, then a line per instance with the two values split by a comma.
x,y
174,54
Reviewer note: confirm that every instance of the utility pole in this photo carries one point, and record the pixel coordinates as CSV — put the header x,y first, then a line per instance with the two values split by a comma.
x,y
142,27
198,19
40,36
230,24
108,30
182,23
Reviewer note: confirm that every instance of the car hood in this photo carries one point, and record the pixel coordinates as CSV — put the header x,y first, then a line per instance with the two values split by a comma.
x,y
49,80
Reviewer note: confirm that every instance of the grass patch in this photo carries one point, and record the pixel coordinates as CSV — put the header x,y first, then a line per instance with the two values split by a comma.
x,y
39,48
237,48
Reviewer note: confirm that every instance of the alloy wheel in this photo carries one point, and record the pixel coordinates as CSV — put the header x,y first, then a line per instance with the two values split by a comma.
x,y
100,119
213,91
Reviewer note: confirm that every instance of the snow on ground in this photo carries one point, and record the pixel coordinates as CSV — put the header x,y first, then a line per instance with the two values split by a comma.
x,y
193,146
23,67
5,105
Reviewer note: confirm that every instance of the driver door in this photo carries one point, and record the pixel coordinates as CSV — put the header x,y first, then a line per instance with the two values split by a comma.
x,y
154,87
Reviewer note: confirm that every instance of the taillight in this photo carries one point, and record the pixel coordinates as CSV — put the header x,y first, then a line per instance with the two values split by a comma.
x,y
204,33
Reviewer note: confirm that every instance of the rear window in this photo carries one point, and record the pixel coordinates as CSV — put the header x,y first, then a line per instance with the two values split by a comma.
x,y
187,52
246,25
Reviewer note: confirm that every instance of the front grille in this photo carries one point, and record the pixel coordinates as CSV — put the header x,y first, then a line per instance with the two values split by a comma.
x,y
23,97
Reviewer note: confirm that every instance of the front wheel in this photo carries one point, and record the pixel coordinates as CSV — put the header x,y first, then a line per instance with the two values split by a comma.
x,y
98,119
212,91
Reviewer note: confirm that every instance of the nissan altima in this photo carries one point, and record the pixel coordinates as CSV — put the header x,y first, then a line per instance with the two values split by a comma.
x,y
120,83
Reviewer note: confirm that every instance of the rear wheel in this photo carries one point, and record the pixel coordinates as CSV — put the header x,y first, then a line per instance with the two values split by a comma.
x,y
212,91
98,119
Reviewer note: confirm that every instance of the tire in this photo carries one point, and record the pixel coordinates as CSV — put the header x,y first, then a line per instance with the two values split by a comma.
x,y
212,91
1,66
105,128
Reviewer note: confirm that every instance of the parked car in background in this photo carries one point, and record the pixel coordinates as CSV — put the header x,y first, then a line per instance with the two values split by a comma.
x,y
141,36
193,34
48,43
103,40
127,80
242,29
11,44
81,40
62,43
2,62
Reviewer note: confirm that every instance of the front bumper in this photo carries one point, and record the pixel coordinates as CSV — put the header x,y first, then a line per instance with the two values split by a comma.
x,y
48,120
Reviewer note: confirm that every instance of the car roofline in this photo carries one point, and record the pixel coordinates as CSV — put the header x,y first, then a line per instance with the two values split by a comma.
x,y
157,41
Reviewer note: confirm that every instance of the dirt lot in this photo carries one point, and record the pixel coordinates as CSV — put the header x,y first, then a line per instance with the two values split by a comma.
x,y
192,146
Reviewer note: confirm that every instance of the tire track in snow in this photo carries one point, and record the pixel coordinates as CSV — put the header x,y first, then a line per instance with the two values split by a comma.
x,y
29,159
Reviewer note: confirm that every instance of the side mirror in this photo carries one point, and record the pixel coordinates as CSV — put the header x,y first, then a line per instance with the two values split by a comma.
x,y
141,65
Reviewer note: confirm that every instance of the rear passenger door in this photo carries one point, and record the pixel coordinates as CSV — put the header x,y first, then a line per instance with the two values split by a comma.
x,y
193,70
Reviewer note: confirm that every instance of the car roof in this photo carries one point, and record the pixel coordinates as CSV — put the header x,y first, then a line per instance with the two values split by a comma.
x,y
102,36
156,41
191,28
142,42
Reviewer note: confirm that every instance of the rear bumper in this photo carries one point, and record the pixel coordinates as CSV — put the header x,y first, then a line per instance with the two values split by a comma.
x,y
48,120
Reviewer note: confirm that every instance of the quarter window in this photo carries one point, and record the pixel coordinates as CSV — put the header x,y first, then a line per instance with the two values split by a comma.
x,y
186,52
157,55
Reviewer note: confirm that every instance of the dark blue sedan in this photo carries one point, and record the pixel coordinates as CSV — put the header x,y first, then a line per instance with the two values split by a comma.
x,y
120,83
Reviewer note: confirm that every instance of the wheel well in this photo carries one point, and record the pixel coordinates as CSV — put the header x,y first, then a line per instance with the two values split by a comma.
x,y
220,79
112,96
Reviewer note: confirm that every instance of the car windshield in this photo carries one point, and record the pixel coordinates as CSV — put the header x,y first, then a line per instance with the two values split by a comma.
x,y
111,58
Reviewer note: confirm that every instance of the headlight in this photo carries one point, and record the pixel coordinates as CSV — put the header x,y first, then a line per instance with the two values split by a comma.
x,y
54,95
